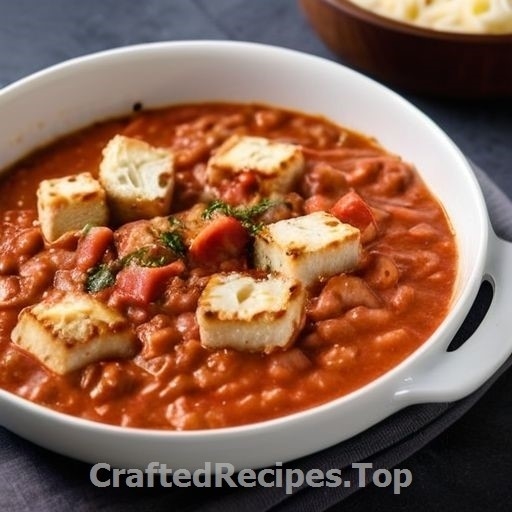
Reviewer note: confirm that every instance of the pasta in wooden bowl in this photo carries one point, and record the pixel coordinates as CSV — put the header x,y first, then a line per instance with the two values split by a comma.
x,y
465,16
446,48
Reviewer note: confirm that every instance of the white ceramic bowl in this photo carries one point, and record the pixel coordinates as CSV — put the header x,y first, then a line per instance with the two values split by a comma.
x,y
37,109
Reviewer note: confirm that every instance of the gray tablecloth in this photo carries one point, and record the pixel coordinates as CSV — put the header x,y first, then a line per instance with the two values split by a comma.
x,y
467,466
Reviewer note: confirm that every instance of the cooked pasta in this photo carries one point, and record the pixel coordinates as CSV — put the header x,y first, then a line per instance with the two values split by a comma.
x,y
473,16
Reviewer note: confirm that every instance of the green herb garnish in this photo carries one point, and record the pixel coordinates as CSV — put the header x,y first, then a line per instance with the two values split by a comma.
x,y
143,258
85,230
175,222
100,277
245,214
174,240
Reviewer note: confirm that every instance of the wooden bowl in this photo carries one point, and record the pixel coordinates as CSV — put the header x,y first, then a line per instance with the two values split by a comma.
x,y
412,58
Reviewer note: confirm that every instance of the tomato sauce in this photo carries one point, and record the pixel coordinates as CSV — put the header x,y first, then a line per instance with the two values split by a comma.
x,y
358,325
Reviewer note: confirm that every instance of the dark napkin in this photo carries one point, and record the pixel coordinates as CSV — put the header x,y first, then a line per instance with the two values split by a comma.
x,y
32,478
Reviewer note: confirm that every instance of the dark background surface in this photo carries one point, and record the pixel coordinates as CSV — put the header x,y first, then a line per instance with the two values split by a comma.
x,y
469,466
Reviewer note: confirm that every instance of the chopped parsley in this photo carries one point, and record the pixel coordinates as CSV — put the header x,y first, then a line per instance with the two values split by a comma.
x,y
175,222
100,277
143,258
173,240
245,214
85,230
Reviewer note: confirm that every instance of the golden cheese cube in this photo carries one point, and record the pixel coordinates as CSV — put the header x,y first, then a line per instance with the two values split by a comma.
x,y
308,248
277,164
250,314
138,179
69,330
69,204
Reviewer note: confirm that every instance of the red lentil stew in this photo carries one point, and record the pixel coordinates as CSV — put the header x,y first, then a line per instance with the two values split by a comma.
x,y
356,324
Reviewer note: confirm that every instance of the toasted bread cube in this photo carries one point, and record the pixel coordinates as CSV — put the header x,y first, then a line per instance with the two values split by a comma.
x,y
248,314
277,164
70,330
308,248
69,204
138,179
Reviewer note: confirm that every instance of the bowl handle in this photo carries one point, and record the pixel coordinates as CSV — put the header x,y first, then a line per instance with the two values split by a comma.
x,y
456,374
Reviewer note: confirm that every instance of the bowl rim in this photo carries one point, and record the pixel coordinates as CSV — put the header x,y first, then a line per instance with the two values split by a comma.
x,y
391,24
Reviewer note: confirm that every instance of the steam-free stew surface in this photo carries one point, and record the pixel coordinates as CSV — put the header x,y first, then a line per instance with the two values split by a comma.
x,y
390,304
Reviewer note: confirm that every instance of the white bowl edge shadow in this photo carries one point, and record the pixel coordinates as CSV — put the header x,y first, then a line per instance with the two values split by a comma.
x,y
52,102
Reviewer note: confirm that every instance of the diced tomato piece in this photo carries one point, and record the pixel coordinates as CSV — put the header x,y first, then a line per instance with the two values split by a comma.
x,y
317,203
92,247
222,239
352,209
142,285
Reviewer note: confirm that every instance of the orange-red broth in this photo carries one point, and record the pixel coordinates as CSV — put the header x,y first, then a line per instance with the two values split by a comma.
x,y
409,266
